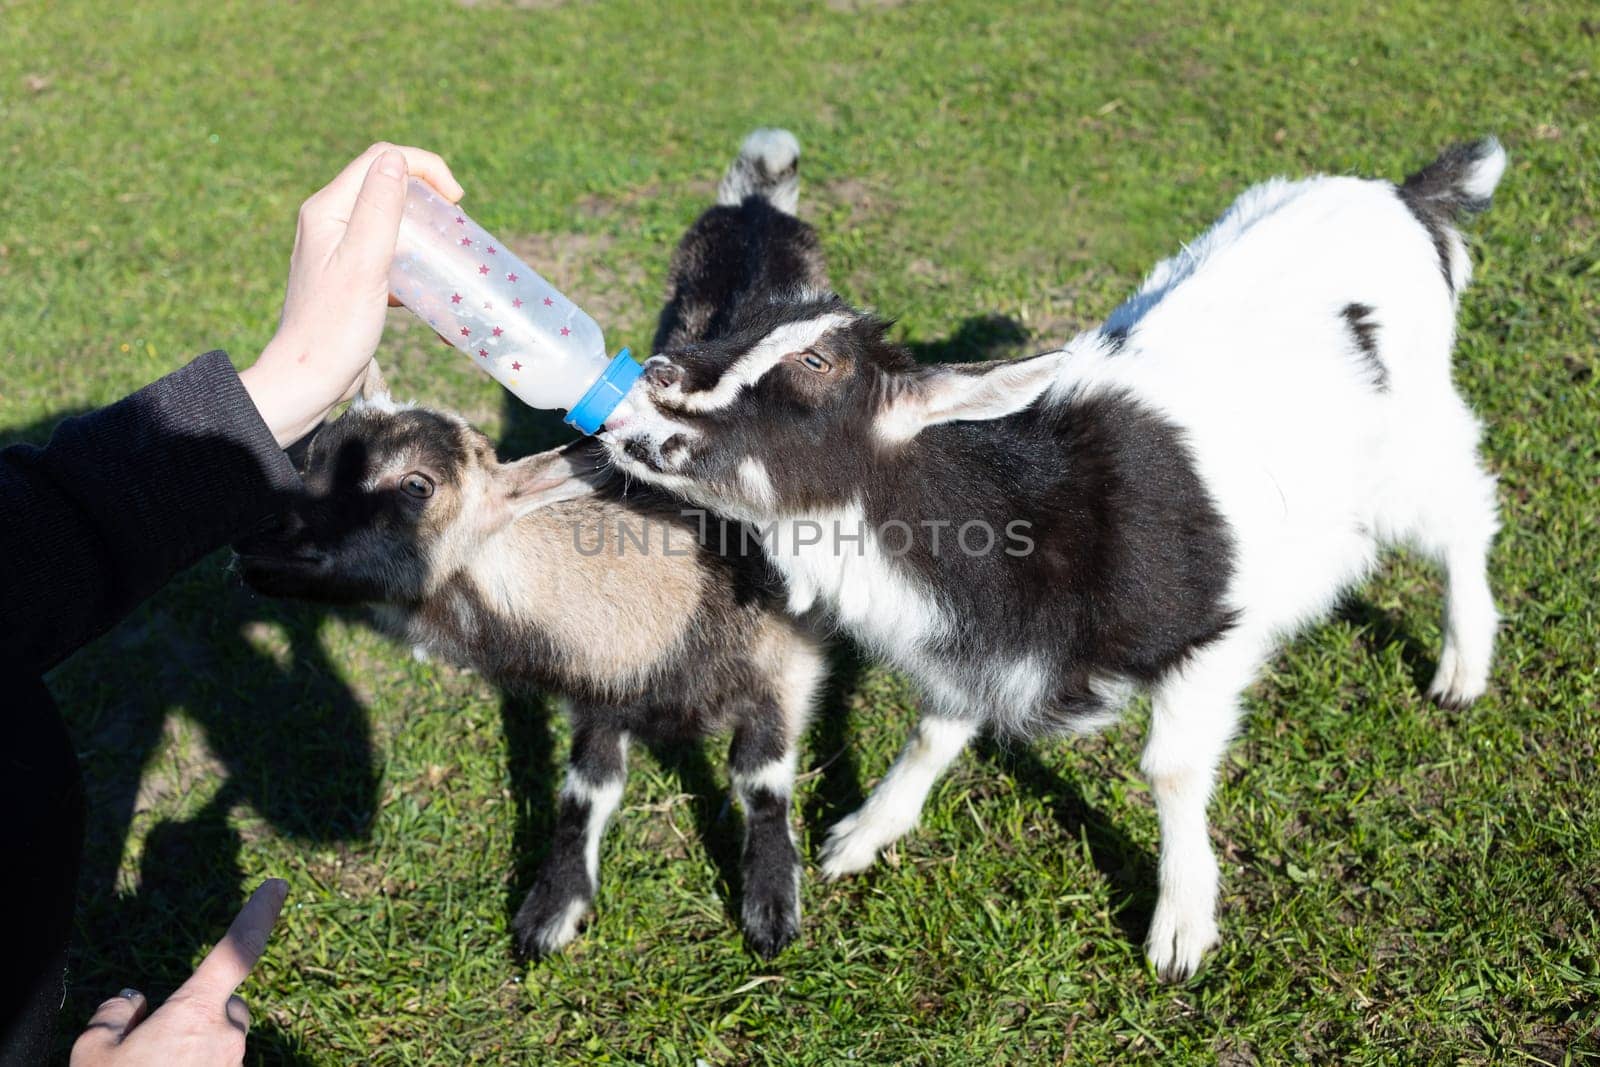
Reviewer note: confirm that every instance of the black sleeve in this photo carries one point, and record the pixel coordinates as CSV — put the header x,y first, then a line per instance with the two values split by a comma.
x,y
123,498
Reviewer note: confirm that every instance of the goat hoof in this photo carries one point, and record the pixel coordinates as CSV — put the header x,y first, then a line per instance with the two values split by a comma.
x,y
1178,943
770,926
545,926
1455,684
852,846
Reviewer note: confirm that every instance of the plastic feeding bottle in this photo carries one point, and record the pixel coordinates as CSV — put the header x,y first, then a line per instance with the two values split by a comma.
x,y
513,324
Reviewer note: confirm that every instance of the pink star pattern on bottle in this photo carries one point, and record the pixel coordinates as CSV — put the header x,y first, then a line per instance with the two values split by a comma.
x,y
476,331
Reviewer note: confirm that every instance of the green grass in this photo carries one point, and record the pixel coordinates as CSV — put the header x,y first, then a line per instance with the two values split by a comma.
x,y
1401,884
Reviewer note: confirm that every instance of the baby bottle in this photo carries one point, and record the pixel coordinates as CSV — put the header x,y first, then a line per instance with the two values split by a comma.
x,y
515,325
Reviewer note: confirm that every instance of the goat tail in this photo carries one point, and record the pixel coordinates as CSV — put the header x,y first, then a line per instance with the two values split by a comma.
x,y
1460,181
768,166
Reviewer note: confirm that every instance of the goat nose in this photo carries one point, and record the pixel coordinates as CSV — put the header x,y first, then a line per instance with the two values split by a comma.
x,y
660,374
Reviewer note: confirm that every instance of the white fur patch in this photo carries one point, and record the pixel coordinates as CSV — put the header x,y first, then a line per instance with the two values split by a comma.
x,y
1022,681
835,557
800,680
602,800
1485,174
756,484
1005,691
558,934
748,368
776,777
380,402
772,151
896,804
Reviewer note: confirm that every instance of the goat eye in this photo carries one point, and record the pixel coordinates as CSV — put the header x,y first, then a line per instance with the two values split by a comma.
x,y
417,484
814,362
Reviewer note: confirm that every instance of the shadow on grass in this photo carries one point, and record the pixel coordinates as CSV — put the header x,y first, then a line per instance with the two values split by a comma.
x,y
838,791
290,741
721,835
283,736
977,339
528,430
1383,629
535,776
1128,867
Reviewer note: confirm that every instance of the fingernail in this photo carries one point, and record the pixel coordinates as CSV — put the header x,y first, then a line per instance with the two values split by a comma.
x,y
392,165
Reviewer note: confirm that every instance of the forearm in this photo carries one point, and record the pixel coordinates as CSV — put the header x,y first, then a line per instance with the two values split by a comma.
x,y
289,404
124,497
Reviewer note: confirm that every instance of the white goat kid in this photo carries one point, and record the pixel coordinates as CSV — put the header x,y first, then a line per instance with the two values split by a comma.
x,y
1194,481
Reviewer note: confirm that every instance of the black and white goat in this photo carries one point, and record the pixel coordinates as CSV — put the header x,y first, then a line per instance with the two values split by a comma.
x,y
544,576
1157,504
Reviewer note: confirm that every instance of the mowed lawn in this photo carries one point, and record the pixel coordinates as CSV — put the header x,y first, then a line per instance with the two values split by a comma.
x,y
1402,884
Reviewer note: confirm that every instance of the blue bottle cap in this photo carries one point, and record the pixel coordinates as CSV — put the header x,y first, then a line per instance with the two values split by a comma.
x,y
590,413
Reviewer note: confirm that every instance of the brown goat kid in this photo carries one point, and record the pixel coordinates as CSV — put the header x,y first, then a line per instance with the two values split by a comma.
x,y
543,575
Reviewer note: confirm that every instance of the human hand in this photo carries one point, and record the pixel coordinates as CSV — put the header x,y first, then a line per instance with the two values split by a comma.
x,y
203,1024
338,288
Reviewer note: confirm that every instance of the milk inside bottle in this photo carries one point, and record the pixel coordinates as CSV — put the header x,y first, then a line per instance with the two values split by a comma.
x,y
497,310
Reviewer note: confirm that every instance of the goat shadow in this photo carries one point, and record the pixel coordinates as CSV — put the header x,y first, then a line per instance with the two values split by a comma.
x,y
281,733
1383,629
977,339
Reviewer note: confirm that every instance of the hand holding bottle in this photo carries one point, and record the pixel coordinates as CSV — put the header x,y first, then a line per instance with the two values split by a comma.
x,y
333,310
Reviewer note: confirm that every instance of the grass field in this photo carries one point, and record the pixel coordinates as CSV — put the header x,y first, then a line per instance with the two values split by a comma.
x,y
1402,884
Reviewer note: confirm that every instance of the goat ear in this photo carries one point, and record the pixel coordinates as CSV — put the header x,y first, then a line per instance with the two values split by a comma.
x,y
540,480
372,384
964,393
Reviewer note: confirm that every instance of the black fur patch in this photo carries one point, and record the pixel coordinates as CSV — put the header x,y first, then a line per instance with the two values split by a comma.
x,y
731,258
1115,339
1436,222
1364,331
770,912
1130,558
